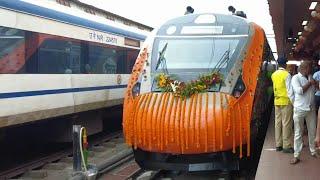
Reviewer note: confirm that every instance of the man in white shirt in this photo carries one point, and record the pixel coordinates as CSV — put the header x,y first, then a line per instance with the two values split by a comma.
x,y
304,109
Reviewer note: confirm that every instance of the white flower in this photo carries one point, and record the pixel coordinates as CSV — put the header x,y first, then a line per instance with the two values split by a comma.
x,y
174,85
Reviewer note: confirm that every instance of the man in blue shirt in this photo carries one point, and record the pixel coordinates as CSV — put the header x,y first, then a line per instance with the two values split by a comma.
x,y
316,76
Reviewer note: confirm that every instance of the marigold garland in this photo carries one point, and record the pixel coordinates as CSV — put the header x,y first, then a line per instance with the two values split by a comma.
x,y
166,83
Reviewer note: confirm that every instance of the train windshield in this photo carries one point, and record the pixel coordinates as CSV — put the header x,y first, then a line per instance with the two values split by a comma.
x,y
194,54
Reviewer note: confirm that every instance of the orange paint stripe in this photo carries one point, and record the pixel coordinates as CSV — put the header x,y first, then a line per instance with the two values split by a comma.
x,y
136,120
174,129
188,123
167,132
233,130
157,118
133,119
130,121
194,118
222,121
228,114
147,116
199,120
151,119
214,132
248,129
163,117
206,125
141,117
240,130
183,119
179,110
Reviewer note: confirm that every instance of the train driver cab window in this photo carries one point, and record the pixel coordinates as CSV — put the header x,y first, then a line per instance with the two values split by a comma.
x,y
12,50
196,54
187,58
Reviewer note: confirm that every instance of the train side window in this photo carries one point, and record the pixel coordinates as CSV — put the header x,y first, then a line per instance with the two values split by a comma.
x,y
131,59
59,57
107,59
12,50
126,60
102,60
121,61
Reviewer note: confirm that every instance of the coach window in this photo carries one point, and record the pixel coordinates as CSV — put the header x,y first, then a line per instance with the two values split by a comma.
x,y
12,50
125,60
59,57
131,59
102,60
121,61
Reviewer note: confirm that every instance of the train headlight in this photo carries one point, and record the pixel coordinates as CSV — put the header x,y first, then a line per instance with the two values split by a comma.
x,y
239,88
136,89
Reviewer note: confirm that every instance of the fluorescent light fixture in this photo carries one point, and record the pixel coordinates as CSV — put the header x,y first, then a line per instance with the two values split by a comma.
x,y
304,23
297,63
289,38
313,5
299,33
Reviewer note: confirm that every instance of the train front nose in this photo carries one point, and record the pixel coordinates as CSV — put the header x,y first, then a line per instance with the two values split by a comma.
x,y
205,122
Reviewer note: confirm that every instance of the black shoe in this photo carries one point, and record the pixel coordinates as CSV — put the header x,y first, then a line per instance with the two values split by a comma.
x,y
288,150
279,148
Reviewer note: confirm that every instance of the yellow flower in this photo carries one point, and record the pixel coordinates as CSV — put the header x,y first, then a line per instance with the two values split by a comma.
x,y
162,83
201,87
162,80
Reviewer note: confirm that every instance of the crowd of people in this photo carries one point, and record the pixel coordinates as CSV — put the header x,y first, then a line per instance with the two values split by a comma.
x,y
296,101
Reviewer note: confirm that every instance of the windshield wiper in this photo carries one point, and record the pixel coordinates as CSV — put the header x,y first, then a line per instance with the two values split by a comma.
x,y
223,60
161,55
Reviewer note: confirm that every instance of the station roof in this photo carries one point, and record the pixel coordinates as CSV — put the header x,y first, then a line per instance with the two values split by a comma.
x,y
297,32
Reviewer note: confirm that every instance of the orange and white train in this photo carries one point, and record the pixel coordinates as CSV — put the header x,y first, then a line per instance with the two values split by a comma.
x,y
177,115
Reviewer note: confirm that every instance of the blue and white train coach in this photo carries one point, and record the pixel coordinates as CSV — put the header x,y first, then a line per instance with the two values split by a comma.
x,y
55,61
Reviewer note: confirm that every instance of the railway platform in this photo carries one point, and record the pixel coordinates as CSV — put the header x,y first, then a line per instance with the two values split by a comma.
x,y
276,165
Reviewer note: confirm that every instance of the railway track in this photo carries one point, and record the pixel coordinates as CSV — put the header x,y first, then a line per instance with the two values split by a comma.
x,y
114,160
107,152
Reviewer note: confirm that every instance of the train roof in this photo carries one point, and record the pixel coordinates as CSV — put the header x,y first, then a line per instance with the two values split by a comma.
x,y
205,24
71,18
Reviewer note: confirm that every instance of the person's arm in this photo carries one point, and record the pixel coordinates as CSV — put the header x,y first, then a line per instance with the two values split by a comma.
x,y
306,86
289,88
297,89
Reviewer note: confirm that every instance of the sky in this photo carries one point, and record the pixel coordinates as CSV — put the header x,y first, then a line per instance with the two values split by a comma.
x,y
154,12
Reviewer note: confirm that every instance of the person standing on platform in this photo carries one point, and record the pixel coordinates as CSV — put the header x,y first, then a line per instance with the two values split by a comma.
x,y
304,109
316,77
283,98
317,140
